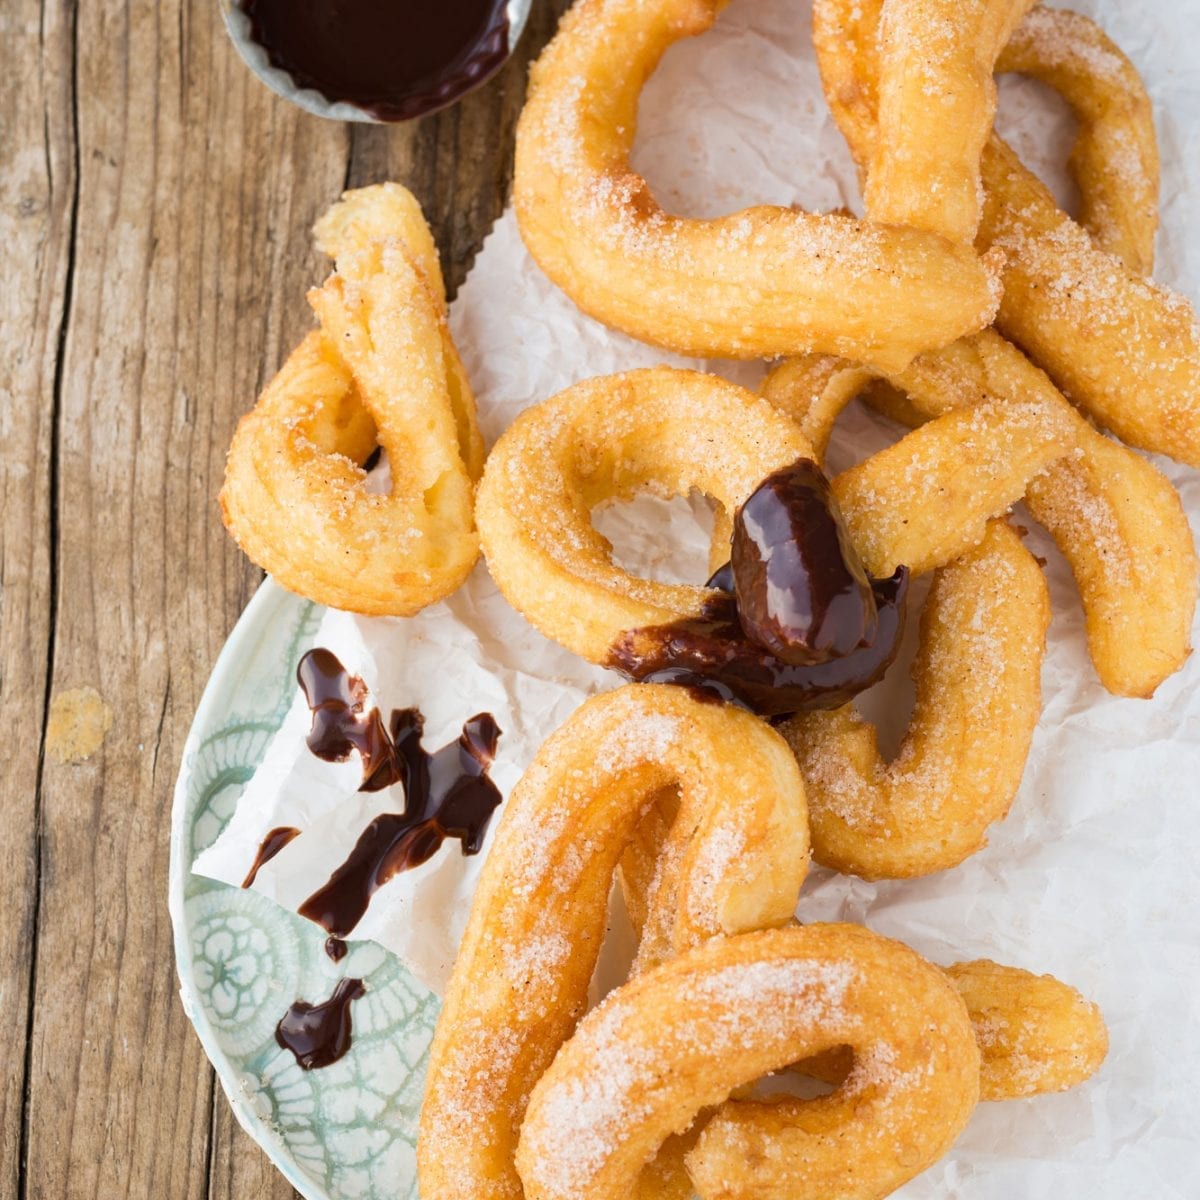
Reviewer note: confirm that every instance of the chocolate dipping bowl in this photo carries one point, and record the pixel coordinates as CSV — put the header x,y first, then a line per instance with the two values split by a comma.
x,y
307,72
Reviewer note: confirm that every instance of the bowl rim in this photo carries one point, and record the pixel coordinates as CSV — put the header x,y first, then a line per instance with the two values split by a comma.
x,y
237,25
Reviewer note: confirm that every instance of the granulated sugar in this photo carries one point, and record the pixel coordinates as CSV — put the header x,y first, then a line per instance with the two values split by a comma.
x,y
583,1118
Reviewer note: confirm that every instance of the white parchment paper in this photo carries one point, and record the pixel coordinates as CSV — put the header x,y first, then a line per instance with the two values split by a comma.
x,y
1092,877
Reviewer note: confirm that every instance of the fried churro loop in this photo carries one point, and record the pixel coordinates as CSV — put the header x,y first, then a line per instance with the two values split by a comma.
x,y
937,99
736,855
685,1035
761,282
1035,1033
381,371
942,488
921,503
978,678
1114,158
1123,349
1115,517
659,429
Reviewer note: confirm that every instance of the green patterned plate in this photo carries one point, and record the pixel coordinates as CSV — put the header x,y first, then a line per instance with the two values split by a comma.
x,y
348,1130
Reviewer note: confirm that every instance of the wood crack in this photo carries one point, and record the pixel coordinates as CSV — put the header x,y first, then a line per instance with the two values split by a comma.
x,y
52,600
211,1126
158,733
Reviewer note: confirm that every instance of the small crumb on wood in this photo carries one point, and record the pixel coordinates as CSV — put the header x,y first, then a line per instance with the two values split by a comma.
x,y
78,722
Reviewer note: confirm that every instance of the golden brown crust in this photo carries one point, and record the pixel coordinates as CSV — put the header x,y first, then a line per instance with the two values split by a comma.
x,y
927,499
813,389
764,281
384,212
1124,350
1114,158
1115,517
1035,1033
937,99
923,502
734,859
978,679
382,371
662,430
682,1037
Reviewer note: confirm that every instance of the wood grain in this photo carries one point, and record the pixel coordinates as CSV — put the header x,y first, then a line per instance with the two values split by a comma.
x,y
37,182
155,202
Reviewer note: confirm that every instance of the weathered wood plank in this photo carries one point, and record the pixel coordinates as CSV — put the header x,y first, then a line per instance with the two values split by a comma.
x,y
238,1169
195,190
37,184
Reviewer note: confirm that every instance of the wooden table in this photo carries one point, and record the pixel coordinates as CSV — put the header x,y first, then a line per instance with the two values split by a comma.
x,y
156,202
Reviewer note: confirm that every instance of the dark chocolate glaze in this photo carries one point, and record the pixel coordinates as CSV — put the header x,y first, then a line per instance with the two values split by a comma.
x,y
339,724
712,653
271,846
447,795
796,571
393,60
802,590
336,948
319,1034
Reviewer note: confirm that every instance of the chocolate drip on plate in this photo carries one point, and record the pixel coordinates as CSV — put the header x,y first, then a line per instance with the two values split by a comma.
x,y
448,794
340,726
271,846
319,1034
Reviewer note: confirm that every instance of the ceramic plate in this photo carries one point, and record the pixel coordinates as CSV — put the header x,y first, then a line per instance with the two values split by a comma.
x,y
346,1130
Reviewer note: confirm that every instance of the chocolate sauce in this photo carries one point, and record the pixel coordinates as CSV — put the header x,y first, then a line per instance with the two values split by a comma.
x,y
803,592
319,1034
336,948
271,846
447,794
712,653
392,59
804,596
340,725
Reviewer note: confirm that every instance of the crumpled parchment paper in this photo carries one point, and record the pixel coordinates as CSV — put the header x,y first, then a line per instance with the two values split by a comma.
x,y
1093,876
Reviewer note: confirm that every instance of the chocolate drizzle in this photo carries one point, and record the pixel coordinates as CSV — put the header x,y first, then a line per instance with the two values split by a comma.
x,y
319,1034
335,948
805,596
271,846
448,794
340,725
712,653
803,592
393,60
